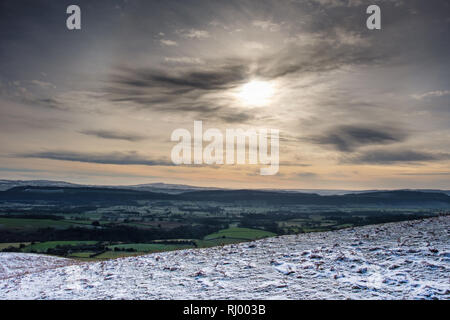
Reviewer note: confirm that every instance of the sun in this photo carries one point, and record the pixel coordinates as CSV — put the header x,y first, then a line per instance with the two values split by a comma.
x,y
256,93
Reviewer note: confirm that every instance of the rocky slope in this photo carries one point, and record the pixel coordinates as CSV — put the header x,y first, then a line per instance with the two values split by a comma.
x,y
406,260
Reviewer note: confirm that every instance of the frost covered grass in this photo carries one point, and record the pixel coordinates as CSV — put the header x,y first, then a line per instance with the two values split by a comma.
x,y
404,260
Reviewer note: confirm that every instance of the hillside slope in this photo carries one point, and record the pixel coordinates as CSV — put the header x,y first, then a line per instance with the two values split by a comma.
x,y
406,260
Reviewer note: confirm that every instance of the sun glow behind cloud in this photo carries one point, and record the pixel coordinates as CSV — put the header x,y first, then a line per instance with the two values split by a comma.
x,y
256,93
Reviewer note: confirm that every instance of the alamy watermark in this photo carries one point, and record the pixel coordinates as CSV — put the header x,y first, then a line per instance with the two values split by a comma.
x,y
73,22
241,147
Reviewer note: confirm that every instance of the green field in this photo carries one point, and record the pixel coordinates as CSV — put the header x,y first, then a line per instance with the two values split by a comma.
x,y
43,246
223,237
13,245
240,234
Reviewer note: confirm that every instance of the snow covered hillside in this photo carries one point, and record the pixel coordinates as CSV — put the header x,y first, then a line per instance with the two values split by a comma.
x,y
406,260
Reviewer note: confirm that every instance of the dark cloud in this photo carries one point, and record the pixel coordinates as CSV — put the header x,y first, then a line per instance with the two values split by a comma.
x,y
134,81
306,174
181,91
350,137
234,116
114,135
388,157
20,170
119,158
47,102
424,174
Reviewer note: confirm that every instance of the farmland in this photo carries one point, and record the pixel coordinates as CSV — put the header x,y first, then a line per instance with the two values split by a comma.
x,y
90,223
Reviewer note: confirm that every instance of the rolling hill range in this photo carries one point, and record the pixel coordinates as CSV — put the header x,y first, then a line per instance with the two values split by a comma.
x,y
115,195
180,188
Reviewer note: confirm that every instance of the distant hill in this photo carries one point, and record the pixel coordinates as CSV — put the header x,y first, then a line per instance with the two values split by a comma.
x,y
152,187
374,198
8,184
181,188
85,195
165,188
79,195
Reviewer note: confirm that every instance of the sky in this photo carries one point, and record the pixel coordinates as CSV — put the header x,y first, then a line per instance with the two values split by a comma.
x,y
355,108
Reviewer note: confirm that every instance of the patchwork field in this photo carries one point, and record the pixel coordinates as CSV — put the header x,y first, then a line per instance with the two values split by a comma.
x,y
95,250
99,223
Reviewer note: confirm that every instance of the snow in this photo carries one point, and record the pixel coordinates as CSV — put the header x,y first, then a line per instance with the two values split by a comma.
x,y
405,260
15,264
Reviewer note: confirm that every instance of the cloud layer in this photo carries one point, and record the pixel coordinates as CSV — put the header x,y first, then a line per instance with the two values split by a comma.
x,y
345,99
